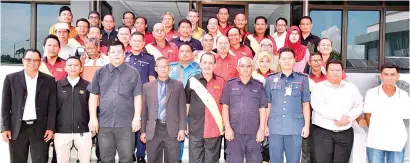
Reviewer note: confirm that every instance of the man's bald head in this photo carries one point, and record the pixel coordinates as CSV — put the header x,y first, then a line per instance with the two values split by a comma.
x,y
245,67
245,61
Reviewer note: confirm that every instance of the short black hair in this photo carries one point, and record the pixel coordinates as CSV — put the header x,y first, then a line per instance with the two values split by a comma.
x,y
231,29
32,50
185,44
128,12
51,36
82,20
116,43
306,17
261,17
161,58
94,12
285,49
64,8
224,8
184,21
281,18
390,65
123,26
109,15
76,58
316,53
200,60
145,21
95,27
334,61
240,13
137,34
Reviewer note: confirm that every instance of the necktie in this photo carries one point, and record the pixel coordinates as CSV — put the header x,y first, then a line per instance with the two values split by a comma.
x,y
162,102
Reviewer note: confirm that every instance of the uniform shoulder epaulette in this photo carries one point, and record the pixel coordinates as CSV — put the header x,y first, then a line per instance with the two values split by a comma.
x,y
196,65
257,81
173,63
273,73
301,73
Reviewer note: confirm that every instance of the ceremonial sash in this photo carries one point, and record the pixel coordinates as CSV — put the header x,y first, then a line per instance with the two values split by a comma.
x,y
208,100
254,44
44,69
154,51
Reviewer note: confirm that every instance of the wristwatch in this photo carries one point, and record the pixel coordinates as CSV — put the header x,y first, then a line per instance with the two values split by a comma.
x,y
138,118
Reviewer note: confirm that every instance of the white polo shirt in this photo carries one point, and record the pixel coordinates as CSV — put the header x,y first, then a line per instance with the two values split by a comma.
x,y
387,130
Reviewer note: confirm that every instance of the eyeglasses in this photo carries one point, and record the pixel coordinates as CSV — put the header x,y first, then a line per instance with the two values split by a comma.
x,y
267,45
317,60
245,66
31,60
162,67
93,17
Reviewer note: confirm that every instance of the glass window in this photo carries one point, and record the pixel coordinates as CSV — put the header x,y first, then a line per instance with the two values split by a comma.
x,y
297,13
363,40
47,16
271,12
15,31
328,24
397,38
153,11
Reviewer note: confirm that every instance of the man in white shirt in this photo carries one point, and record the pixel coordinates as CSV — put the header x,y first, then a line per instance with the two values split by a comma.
x,y
386,106
280,34
68,45
336,104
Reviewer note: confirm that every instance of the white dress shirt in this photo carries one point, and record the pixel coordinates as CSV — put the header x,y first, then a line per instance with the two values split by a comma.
x,y
279,40
30,106
69,49
74,81
330,103
387,130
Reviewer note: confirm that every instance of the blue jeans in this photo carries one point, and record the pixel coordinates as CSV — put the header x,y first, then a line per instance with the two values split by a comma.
x,y
381,156
181,150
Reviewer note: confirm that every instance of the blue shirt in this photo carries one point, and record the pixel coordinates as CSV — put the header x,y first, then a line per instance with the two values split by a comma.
x,y
143,62
286,116
191,70
195,44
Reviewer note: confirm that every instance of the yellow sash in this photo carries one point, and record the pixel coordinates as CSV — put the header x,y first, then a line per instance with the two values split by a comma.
x,y
254,44
44,69
208,100
154,51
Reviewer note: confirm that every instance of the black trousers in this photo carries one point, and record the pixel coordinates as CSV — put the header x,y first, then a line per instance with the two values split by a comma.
x,y
204,150
331,147
162,147
28,139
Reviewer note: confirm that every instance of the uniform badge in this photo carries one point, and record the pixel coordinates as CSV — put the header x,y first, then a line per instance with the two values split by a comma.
x,y
127,59
254,90
216,87
81,91
235,89
275,80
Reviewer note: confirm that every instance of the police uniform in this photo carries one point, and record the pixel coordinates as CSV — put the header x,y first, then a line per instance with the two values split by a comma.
x,y
181,73
286,95
244,101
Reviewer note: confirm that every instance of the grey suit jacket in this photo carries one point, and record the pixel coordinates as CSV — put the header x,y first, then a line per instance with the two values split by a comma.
x,y
176,118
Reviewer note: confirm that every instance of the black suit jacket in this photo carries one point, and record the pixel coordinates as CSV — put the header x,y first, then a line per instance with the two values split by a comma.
x,y
14,99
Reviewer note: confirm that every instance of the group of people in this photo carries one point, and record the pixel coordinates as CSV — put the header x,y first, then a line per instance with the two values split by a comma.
x,y
264,97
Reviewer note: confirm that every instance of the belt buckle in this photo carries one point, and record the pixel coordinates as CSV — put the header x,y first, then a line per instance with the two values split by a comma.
x,y
162,120
29,122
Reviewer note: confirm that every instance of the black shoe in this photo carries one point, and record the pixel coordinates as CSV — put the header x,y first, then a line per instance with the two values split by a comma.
x,y
141,160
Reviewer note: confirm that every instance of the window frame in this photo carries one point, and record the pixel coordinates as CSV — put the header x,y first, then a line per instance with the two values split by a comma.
x,y
382,27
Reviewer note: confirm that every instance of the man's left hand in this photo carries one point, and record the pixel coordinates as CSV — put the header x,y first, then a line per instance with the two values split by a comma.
x,y
136,125
48,135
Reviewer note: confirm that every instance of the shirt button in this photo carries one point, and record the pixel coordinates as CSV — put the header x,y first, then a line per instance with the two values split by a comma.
x,y
283,115
284,108
284,102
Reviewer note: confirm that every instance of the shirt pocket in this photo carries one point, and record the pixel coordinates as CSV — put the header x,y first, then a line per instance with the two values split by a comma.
x,y
235,98
296,89
126,88
297,123
275,90
254,101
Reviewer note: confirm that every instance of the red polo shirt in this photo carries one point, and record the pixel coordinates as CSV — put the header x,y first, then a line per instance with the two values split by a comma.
x,y
242,51
57,70
226,67
79,40
214,87
170,50
172,34
322,77
104,49
128,48
148,38
225,30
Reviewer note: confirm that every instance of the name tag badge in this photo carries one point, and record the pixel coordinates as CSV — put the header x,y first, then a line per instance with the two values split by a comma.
x,y
288,91
81,91
235,89
59,69
254,90
170,51
275,80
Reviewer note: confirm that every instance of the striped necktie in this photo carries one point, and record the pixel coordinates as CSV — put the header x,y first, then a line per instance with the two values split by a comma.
x,y
162,101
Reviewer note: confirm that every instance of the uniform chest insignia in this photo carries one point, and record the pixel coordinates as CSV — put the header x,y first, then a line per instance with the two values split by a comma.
x,y
59,69
81,91
254,90
275,80
170,51
216,87
235,89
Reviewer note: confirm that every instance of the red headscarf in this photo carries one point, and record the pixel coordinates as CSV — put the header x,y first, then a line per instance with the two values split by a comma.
x,y
298,48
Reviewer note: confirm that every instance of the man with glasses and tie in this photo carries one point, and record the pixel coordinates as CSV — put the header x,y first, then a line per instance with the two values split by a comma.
x,y
28,110
164,115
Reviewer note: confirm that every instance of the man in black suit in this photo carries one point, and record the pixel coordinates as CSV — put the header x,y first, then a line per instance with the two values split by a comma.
x,y
28,111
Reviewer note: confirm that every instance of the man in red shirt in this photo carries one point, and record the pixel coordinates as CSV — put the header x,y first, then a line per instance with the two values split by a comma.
x,y
225,62
52,64
124,36
162,47
315,64
223,17
236,47
168,20
253,40
240,23
140,26
82,27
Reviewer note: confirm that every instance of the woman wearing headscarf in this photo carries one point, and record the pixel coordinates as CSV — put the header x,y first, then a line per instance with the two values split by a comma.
x,y
266,46
263,67
302,55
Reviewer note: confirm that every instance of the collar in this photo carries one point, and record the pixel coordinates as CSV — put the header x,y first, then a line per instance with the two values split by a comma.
x,y
219,56
311,74
201,76
81,82
166,43
310,35
28,77
251,80
73,82
276,35
58,59
189,40
342,83
166,81
380,89
121,67
281,74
